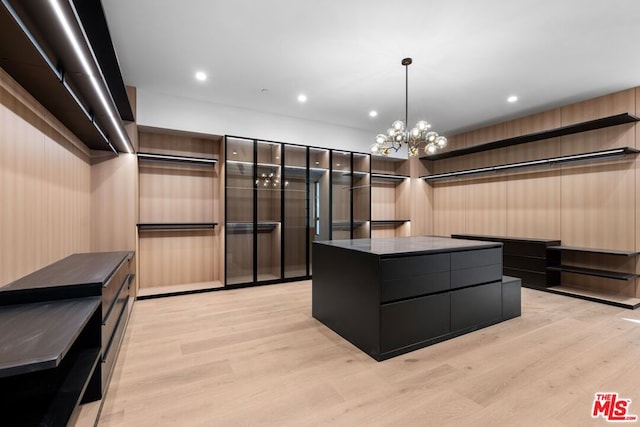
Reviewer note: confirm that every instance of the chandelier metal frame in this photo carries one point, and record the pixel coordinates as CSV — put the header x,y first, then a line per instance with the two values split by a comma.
x,y
415,138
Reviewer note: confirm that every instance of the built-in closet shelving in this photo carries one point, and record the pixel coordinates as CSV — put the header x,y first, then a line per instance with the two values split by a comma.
x,y
615,268
585,126
587,205
178,237
554,161
390,189
601,123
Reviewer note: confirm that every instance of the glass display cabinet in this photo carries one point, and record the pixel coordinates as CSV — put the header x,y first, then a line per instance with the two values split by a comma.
x,y
280,198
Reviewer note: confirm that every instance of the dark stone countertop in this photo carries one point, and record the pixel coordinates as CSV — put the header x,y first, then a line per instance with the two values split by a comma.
x,y
415,245
37,336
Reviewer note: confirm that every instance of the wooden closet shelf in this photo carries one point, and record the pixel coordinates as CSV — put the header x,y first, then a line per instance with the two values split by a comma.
x,y
615,300
247,227
177,226
383,222
538,136
593,272
167,158
574,158
593,250
387,177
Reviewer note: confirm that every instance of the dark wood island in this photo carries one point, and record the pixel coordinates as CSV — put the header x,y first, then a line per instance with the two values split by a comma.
x,y
395,295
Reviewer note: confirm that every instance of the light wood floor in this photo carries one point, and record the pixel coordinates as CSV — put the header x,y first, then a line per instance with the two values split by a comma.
x,y
256,357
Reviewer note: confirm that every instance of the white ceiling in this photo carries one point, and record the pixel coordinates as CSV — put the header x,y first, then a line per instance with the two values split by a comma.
x,y
468,56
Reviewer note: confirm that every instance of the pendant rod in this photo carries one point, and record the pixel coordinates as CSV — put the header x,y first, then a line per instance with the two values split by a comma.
x,y
406,62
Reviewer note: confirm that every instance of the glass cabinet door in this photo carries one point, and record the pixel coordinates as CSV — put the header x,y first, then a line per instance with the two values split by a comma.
x,y
340,195
239,207
295,215
361,196
319,189
268,185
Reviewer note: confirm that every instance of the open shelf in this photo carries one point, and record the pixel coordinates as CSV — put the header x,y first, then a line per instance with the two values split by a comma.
x,y
247,227
177,226
593,250
593,272
538,136
574,158
383,222
387,177
615,300
166,158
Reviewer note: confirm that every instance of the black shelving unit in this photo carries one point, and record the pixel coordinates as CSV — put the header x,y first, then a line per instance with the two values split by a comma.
x,y
605,122
555,271
248,227
177,226
554,161
592,250
387,222
593,272
167,158
381,177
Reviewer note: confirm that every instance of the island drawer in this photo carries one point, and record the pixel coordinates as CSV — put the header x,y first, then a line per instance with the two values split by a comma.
x,y
409,322
477,306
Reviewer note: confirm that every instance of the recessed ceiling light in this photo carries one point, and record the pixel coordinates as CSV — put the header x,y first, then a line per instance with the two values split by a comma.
x,y
302,98
512,99
373,113
337,164
317,163
201,76
235,153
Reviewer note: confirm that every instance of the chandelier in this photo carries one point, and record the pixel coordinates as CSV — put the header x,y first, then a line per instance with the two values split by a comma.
x,y
398,133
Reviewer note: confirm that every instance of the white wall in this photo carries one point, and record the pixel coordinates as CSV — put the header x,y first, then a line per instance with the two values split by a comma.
x,y
170,112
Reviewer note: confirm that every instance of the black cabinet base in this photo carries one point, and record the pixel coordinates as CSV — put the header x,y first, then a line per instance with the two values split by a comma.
x,y
393,303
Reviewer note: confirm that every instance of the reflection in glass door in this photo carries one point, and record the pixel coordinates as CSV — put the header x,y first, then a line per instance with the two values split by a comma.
x,y
268,185
340,195
296,203
319,187
239,189
361,192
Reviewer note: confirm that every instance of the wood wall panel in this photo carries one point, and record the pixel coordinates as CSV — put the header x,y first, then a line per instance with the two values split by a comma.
x,y
533,205
598,206
533,197
486,207
170,193
44,186
383,200
603,106
113,202
176,258
449,205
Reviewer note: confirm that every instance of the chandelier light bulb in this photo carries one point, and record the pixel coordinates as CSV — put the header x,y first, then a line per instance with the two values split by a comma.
x,y
441,142
431,136
381,138
430,148
423,125
398,125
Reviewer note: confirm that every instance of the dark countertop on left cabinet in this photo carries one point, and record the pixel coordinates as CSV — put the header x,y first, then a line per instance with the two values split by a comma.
x,y
60,332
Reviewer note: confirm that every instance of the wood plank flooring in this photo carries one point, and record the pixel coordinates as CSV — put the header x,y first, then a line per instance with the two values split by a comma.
x,y
256,357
